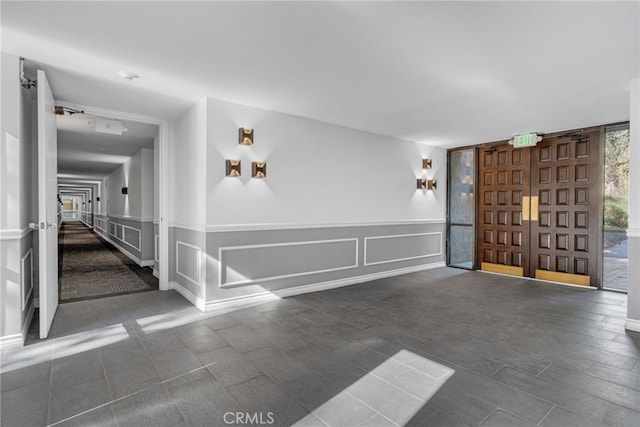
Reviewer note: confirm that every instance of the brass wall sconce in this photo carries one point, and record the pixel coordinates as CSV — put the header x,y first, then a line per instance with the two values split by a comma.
x,y
125,190
232,167
258,169
245,136
427,163
426,184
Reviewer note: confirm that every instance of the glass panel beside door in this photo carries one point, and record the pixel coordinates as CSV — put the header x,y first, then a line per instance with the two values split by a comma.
x,y
461,208
616,209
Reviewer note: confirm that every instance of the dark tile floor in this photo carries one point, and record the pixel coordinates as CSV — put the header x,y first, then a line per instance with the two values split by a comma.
x,y
443,347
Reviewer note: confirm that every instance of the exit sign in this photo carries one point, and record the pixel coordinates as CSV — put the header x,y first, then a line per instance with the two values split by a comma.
x,y
525,140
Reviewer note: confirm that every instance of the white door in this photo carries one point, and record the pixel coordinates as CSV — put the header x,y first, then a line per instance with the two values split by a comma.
x,y
47,204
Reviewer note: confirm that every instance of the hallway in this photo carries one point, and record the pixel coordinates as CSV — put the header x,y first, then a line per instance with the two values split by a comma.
x,y
90,267
443,347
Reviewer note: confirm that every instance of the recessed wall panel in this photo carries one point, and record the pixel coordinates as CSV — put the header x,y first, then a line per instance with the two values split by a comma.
x,y
253,263
385,249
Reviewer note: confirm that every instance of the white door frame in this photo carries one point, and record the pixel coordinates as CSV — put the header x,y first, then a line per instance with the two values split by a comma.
x,y
163,184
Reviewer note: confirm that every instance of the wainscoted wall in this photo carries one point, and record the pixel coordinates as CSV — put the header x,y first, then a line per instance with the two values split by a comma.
x,y
156,249
228,266
17,283
339,206
268,262
87,218
133,237
186,263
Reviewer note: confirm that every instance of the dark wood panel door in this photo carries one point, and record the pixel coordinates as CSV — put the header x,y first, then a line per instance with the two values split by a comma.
x,y
503,233
565,179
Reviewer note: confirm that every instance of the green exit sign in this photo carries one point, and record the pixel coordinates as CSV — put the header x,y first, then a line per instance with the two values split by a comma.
x,y
525,140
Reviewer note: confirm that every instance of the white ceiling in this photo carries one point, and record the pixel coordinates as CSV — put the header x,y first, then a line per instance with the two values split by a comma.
x,y
443,73
84,153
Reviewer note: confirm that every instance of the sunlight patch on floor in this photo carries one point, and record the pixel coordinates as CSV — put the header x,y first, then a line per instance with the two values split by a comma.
x,y
69,345
393,392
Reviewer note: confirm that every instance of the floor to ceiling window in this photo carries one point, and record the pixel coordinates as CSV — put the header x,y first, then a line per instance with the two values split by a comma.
x,y
616,208
461,208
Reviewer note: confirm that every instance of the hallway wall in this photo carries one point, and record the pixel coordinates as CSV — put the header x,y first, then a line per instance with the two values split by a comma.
x,y
338,206
18,258
126,221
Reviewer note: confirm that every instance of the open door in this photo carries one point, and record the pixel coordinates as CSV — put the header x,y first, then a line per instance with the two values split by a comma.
x,y
47,204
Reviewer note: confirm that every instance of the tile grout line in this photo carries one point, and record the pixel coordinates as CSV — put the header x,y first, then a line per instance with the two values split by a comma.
x,y
543,369
104,372
482,399
50,380
489,416
545,415
131,394
362,424
370,407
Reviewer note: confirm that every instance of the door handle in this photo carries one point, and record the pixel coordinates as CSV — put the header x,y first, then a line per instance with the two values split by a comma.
x,y
530,208
534,208
33,226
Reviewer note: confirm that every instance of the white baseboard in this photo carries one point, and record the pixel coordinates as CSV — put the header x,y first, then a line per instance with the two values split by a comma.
x,y
17,340
140,262
316,287
193,299
262,297
9,341
156,274
240,302
632,325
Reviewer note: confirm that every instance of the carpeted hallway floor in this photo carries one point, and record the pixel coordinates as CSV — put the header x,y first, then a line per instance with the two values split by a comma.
x,y
90,267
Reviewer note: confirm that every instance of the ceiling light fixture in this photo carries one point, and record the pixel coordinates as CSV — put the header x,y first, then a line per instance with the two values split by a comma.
x,y
128,75
113,127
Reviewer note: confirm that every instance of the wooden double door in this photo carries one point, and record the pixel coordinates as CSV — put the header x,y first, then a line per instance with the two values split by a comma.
x,y
540,209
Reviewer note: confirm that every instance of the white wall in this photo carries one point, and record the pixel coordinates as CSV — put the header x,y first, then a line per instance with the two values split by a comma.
x,y
156,178
16,204
137,174
114,201
188,168
147,184
101,207
317,173
15,161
